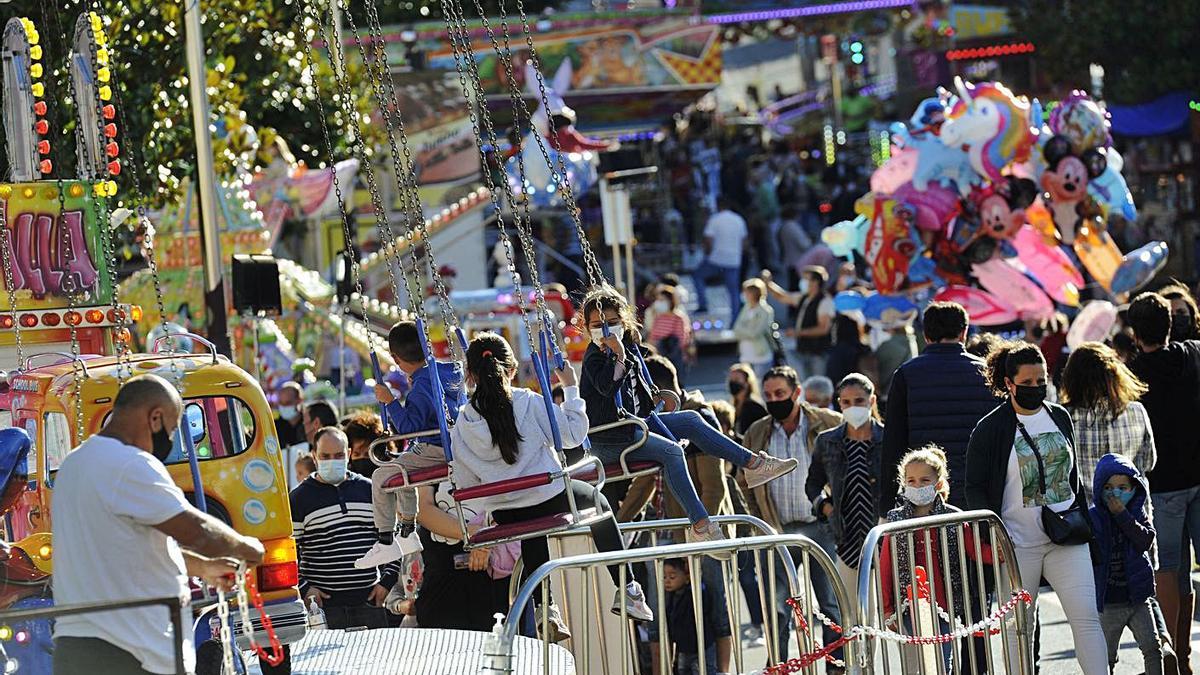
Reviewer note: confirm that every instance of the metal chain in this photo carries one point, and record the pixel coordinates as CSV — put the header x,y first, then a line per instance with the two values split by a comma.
x,y
449,318
9,282
460,42
226,635
591,264
244,603
337,188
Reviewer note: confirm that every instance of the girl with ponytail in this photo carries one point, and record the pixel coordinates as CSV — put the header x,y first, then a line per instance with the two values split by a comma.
x,y
503,433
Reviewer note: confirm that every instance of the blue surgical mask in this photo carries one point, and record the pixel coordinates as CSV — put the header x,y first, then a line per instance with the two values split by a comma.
x,y
1122,493
332,471
289,412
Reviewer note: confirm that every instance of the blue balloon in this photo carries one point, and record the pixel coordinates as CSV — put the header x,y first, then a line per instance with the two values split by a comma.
x,y
849,301
878,306
1139,267
923,270
1110,189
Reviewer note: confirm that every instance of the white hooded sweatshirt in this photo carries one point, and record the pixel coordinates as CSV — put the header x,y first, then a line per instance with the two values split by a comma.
x,y
477,460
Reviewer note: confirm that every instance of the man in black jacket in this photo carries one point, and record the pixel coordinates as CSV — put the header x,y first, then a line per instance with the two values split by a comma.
x,y
937,397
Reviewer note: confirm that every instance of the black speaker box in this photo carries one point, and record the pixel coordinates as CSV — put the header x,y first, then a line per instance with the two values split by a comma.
x,y
256,285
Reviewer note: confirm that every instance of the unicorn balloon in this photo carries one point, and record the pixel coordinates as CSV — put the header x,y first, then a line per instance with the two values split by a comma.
x,y
992,123
936,162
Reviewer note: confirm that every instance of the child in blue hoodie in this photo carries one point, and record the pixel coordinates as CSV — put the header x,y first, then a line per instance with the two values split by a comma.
x,y
420,412
1124,573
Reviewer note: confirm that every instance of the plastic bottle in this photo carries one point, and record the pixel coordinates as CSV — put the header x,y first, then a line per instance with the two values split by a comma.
x,y
497,651
316,615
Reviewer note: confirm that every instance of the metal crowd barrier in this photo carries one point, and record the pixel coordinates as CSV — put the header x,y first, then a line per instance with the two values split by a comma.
x,y
765,548
968,559
174,607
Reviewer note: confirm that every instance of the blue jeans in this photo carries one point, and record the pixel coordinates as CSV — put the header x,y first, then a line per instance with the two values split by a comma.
x,y
689,664
1177,522
731,278
822,586
703,436
669,455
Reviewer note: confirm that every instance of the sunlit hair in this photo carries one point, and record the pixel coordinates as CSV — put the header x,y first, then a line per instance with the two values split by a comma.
x,y
1096,379
725,414
604,298
1006,359
755,391
933,457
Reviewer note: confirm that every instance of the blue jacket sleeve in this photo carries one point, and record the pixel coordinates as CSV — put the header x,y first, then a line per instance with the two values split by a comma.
x,y
417,413
1138,531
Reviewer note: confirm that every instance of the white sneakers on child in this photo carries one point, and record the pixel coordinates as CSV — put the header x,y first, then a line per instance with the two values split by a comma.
x,y
557,630
382,554
710,532
635,603
769,469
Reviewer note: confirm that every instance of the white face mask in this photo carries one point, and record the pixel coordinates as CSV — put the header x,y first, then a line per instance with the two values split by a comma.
x,y
662,306
289,412
921,496
332,471
804,286
857,416
598,333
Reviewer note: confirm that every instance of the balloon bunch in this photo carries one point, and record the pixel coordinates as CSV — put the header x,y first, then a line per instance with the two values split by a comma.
x,y
983,204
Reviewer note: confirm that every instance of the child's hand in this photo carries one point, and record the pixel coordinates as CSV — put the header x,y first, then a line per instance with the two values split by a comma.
x,y
383,394
615,346
567,375
1114,505
826,509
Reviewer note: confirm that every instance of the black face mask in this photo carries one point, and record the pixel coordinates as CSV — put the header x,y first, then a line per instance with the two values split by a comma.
x,y
736,387
1181,326
363,466
781,410
161,444
1030,397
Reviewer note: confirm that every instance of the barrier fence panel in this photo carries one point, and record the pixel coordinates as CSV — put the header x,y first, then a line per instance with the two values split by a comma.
x,y
720,578
173,605
941,595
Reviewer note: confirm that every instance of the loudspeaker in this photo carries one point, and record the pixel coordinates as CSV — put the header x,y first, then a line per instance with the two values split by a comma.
x,y
624,166
256,285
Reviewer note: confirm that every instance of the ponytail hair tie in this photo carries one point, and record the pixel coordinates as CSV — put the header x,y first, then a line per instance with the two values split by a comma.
x,y
487,354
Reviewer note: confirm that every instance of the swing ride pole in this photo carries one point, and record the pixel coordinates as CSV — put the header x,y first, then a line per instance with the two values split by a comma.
x,y
214,281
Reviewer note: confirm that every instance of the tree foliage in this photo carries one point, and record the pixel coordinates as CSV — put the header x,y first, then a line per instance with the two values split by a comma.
x,y
1146,49
256,75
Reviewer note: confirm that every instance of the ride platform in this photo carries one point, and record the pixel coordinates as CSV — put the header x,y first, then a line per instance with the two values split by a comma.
x,y
411,651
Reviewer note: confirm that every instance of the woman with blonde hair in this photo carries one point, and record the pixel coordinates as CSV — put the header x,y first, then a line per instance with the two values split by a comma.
x,y
746,396
1101,393
753,328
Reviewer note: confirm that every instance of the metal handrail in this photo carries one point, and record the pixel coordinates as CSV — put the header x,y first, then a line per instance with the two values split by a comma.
x,y
174,605
212,349
778,542
637,443
70,358
981,519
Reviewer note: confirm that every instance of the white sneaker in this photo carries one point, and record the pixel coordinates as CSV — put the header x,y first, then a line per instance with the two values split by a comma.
x,y
635,603
380,554
558,630
769,469
409,545
712,532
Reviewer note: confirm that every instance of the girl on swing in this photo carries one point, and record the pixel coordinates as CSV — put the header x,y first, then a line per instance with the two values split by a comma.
x,y
612,368
504,433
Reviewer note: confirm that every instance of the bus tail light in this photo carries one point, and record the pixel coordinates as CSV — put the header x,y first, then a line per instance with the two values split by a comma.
x,y
279,569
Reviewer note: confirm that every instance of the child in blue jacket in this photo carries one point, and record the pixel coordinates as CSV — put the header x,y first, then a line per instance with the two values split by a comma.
x,y
1124,572
420,412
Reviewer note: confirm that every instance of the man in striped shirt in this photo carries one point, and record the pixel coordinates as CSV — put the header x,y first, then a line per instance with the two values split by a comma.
x,y
333,526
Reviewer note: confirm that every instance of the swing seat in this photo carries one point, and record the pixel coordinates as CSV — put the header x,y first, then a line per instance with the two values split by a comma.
x,y
419,478
617,472
540,526
502,487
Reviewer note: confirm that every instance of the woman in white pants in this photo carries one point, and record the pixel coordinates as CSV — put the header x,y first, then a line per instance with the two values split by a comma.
x,y
1021,458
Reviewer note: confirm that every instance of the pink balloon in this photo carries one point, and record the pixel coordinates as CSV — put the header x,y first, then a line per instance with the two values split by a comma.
x,y
1049,265
982,307
895,172
1004,280
935,206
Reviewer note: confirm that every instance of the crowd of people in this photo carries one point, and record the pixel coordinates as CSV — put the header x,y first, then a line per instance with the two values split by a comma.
x,y
1085,456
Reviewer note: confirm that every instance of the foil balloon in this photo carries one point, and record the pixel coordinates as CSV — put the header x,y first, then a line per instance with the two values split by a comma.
x,y
1081,121
1065,181
891,243
1094,323
1010,283
1110,189
889,310
1049,265
992,124
849,301
1139,267
895,172
845,237
983,308
1099,255
932,209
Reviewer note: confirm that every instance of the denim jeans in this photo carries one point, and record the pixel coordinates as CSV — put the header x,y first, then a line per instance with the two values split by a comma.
x,y
1176,522
689,664
822,586
731,278
1140,620
702,436
666,453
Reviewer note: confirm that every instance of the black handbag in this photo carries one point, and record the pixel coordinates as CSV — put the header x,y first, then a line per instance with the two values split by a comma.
x,y
1066,528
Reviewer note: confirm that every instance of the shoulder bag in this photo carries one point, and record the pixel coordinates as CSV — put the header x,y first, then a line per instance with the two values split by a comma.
x,y
1066,528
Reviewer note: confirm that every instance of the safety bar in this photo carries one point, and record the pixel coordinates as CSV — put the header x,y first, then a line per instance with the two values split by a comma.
x,y
66,355
174,605
212,349
637,443
384,441
501,487
919,537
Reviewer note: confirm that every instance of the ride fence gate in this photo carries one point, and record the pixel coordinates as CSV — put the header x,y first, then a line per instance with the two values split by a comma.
x,y
952,577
